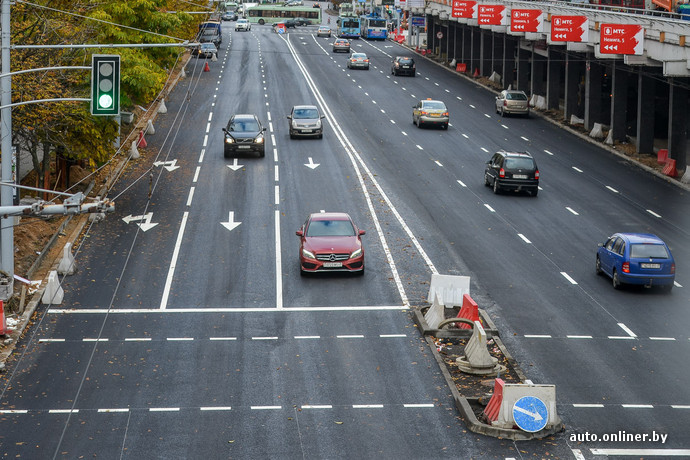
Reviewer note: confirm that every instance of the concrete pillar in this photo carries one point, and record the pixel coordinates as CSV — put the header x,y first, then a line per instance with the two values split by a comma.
x,y
523,69
497,53
619,102
467,47
538,74
485,53
476,50
645,113
508,70
553,79
573,75
453,27
593,79
678,122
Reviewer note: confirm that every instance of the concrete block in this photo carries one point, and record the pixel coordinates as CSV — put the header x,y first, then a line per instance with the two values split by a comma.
x,y
162,108
514,391
597,131
576,121
540,103
434,314
495,78
686,177
609,138
133,151
149,127
477,359
53,293
452,63
66,266
450,288
214,57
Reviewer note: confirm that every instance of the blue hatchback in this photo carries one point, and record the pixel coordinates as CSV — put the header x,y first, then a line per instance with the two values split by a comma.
x,y
637,258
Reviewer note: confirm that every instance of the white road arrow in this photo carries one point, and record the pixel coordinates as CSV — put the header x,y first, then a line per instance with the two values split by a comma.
x,y
169,165
535,415
311,164
234,166
231,224
147,225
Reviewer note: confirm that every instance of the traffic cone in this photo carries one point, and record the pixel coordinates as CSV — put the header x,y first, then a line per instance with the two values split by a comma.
x,y
141,143
476,72
3,320
206,67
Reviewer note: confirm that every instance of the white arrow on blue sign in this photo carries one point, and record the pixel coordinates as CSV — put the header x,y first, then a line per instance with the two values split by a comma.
x,y
530,414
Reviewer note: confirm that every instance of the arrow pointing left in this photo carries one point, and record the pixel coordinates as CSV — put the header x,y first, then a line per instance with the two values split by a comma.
x,y
169,165
231,224
146,225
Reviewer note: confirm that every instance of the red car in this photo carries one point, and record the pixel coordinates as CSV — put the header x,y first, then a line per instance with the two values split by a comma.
x,y
330,241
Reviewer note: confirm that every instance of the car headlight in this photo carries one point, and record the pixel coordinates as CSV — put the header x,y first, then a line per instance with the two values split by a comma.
x,y
229,140
307,254
259,140
356,253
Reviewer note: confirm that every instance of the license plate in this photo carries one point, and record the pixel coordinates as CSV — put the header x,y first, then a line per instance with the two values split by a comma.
x,y
332,264
519,176
650,265
244,146
306,130
436,115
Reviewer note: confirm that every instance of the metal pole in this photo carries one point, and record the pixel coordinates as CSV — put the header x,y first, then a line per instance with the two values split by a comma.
x,y
6,198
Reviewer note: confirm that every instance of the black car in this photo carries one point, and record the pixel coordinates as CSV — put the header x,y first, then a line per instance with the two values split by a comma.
x,y
244,133
403,65
512,171
303,21
290,23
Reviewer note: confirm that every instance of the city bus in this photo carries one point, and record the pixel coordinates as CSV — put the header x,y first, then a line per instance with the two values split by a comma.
x,y
270,14
374,27
348,27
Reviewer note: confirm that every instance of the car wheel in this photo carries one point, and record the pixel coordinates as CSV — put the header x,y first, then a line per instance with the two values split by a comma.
x,y
320,136
598,267
503,112
262,153
261,21
292,135
445,126
534,192
486,180
667,288
615,281
497,189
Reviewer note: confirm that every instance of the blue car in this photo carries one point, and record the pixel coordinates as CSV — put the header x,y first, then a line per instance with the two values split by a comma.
x,y
637,258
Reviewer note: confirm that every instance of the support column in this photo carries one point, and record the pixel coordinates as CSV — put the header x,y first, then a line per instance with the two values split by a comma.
x,y
677,123
538,74
523,69
508,70
476,49
645,113
619,103
497,53
553,79
486,48
593,77
467,47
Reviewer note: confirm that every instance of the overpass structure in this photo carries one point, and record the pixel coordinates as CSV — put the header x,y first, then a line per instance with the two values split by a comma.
x,y
628,70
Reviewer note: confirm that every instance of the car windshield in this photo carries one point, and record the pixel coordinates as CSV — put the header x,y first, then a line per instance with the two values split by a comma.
x,y
405,61
330,228
306,113
516,96
646,251
519,163
435,105
359,55
244,126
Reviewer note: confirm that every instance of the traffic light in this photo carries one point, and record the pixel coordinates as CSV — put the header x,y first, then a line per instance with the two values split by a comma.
x,y
105,84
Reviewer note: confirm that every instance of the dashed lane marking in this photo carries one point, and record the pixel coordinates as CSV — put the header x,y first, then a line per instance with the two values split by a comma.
x,y
462,184
588,406
643,452
612,189
524,238
548,153
438,163
577,169
572,210
654,214
568,277
489,208
537,336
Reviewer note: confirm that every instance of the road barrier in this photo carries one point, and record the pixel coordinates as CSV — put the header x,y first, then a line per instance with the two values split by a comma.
x,y
67,266
53,293
133,151
206,67
494,406
435,314
469,310
141,142
662,156
451,289
149,128
3,320
670,168
477,360
512,392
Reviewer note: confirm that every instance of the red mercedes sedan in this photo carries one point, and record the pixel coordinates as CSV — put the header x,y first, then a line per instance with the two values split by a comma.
x,y
330,241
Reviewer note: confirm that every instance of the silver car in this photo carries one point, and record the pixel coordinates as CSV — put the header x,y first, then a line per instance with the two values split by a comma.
x,y
430,112
512,101
358,61
305,120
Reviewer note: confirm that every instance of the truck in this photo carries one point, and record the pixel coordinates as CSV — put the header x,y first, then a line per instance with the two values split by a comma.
x,y
209,32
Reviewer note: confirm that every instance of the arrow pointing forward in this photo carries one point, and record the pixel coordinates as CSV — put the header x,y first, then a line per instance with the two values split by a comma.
x,y
311,164
535,415
234,166
169,165
147,225
230,224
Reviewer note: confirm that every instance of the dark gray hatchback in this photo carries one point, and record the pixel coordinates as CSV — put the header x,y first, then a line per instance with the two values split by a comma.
x,y
244,133
512,171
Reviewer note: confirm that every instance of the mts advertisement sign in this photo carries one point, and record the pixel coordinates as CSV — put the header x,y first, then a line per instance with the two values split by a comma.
x,y
464,9
491,15
569,29
527,21
621,39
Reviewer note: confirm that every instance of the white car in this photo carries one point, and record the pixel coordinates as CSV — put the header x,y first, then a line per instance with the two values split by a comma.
x,y
243,24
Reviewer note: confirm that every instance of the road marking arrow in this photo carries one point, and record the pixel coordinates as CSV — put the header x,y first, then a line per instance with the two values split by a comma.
x,y
169,165
234,166
535,415
311,164
147,225
230,224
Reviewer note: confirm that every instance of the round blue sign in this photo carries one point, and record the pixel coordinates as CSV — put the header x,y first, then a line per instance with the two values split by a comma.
x,y
530,414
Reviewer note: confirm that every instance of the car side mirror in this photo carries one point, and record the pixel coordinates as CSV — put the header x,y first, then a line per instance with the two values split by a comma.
x,y
362,232
601,245
289,117
263,129
488,162
299,233
225,130
323,116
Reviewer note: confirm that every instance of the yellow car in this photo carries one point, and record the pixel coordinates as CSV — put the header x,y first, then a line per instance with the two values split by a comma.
x,y
430,112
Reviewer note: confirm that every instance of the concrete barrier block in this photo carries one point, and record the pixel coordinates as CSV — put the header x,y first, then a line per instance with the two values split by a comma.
x,y
149,127
576,121
514,391
686,177
477,359
134,151
435,315
452,63
495,78
67,266
609,138
53,293
540,103
162,108
450,288
597,131
214,57
533,100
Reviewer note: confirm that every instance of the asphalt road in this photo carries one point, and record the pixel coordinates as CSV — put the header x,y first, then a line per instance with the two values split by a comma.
x,y
194,339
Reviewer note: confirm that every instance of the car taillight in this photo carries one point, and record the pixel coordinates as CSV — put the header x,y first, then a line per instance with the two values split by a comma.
x,y
445,114
673,268
505,103
536,174
502,173
626,267
424,112
366,60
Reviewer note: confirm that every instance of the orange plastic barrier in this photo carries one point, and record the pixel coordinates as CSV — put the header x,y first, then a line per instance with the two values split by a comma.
x,y
461,67
670,168
469,310
661,156
494,406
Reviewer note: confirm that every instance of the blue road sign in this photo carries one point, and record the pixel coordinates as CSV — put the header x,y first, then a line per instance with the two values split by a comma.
x,y
530,414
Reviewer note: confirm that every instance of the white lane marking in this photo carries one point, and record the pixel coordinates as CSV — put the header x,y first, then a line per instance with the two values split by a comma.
x,y
637,406
566,276
50,340
465,136
403,133
210,116
317,406
572,210
14,411
353,336
438,163
487,115
275,154
677,284
279,263
268,115
579,336
680,407
222,338
63,411
484,150
94,340
392,335
270,127
524,138
537,336
276,198
164,409
265,338
273,139
275,174
627,330
208,128
201,155
472,106
578,454
179,339
420,147
577,169
265,407
436,84
102,311
458,98
489,208
643,452
214,408
412,406
196,174
113,410
173,262
307,337
618,337
524,238
138,339
547,152
205,143
612,189
653,213
367,406
190,197
505,126
462,184
588,405
393,121
662,338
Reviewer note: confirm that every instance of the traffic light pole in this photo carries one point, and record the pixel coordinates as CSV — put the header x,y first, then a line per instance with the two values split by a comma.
x,y
6,192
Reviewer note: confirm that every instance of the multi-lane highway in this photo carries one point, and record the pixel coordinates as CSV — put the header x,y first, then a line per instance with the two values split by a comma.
x,y
198,338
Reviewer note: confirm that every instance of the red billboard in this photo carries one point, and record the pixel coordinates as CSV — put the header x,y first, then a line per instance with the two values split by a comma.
x,y
526,21
464,9
621,39
569,29
492,15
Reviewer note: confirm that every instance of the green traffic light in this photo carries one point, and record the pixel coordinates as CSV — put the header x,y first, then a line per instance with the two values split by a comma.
x,y
105,101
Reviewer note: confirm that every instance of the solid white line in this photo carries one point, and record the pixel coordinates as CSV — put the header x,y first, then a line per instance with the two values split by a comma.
x,y
138,339
462,183
101,311
196,174
191,195
417,405
277,195
578,454
164,409
419,147
572,210
680,407
63,411
588,405
662,338
489,208
13,411
637,406
307,337
264,338
536,336
612,189
392,335
643,452
653,213
279,263
201,155
367,406
465,136
524,238
50,340
265,407
179,339
216,408
549,153
322,406
222,338
524,138
618,337
94,340
349,336
627,330
579,336
173,262
566,276
577,169
438,163
125,409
